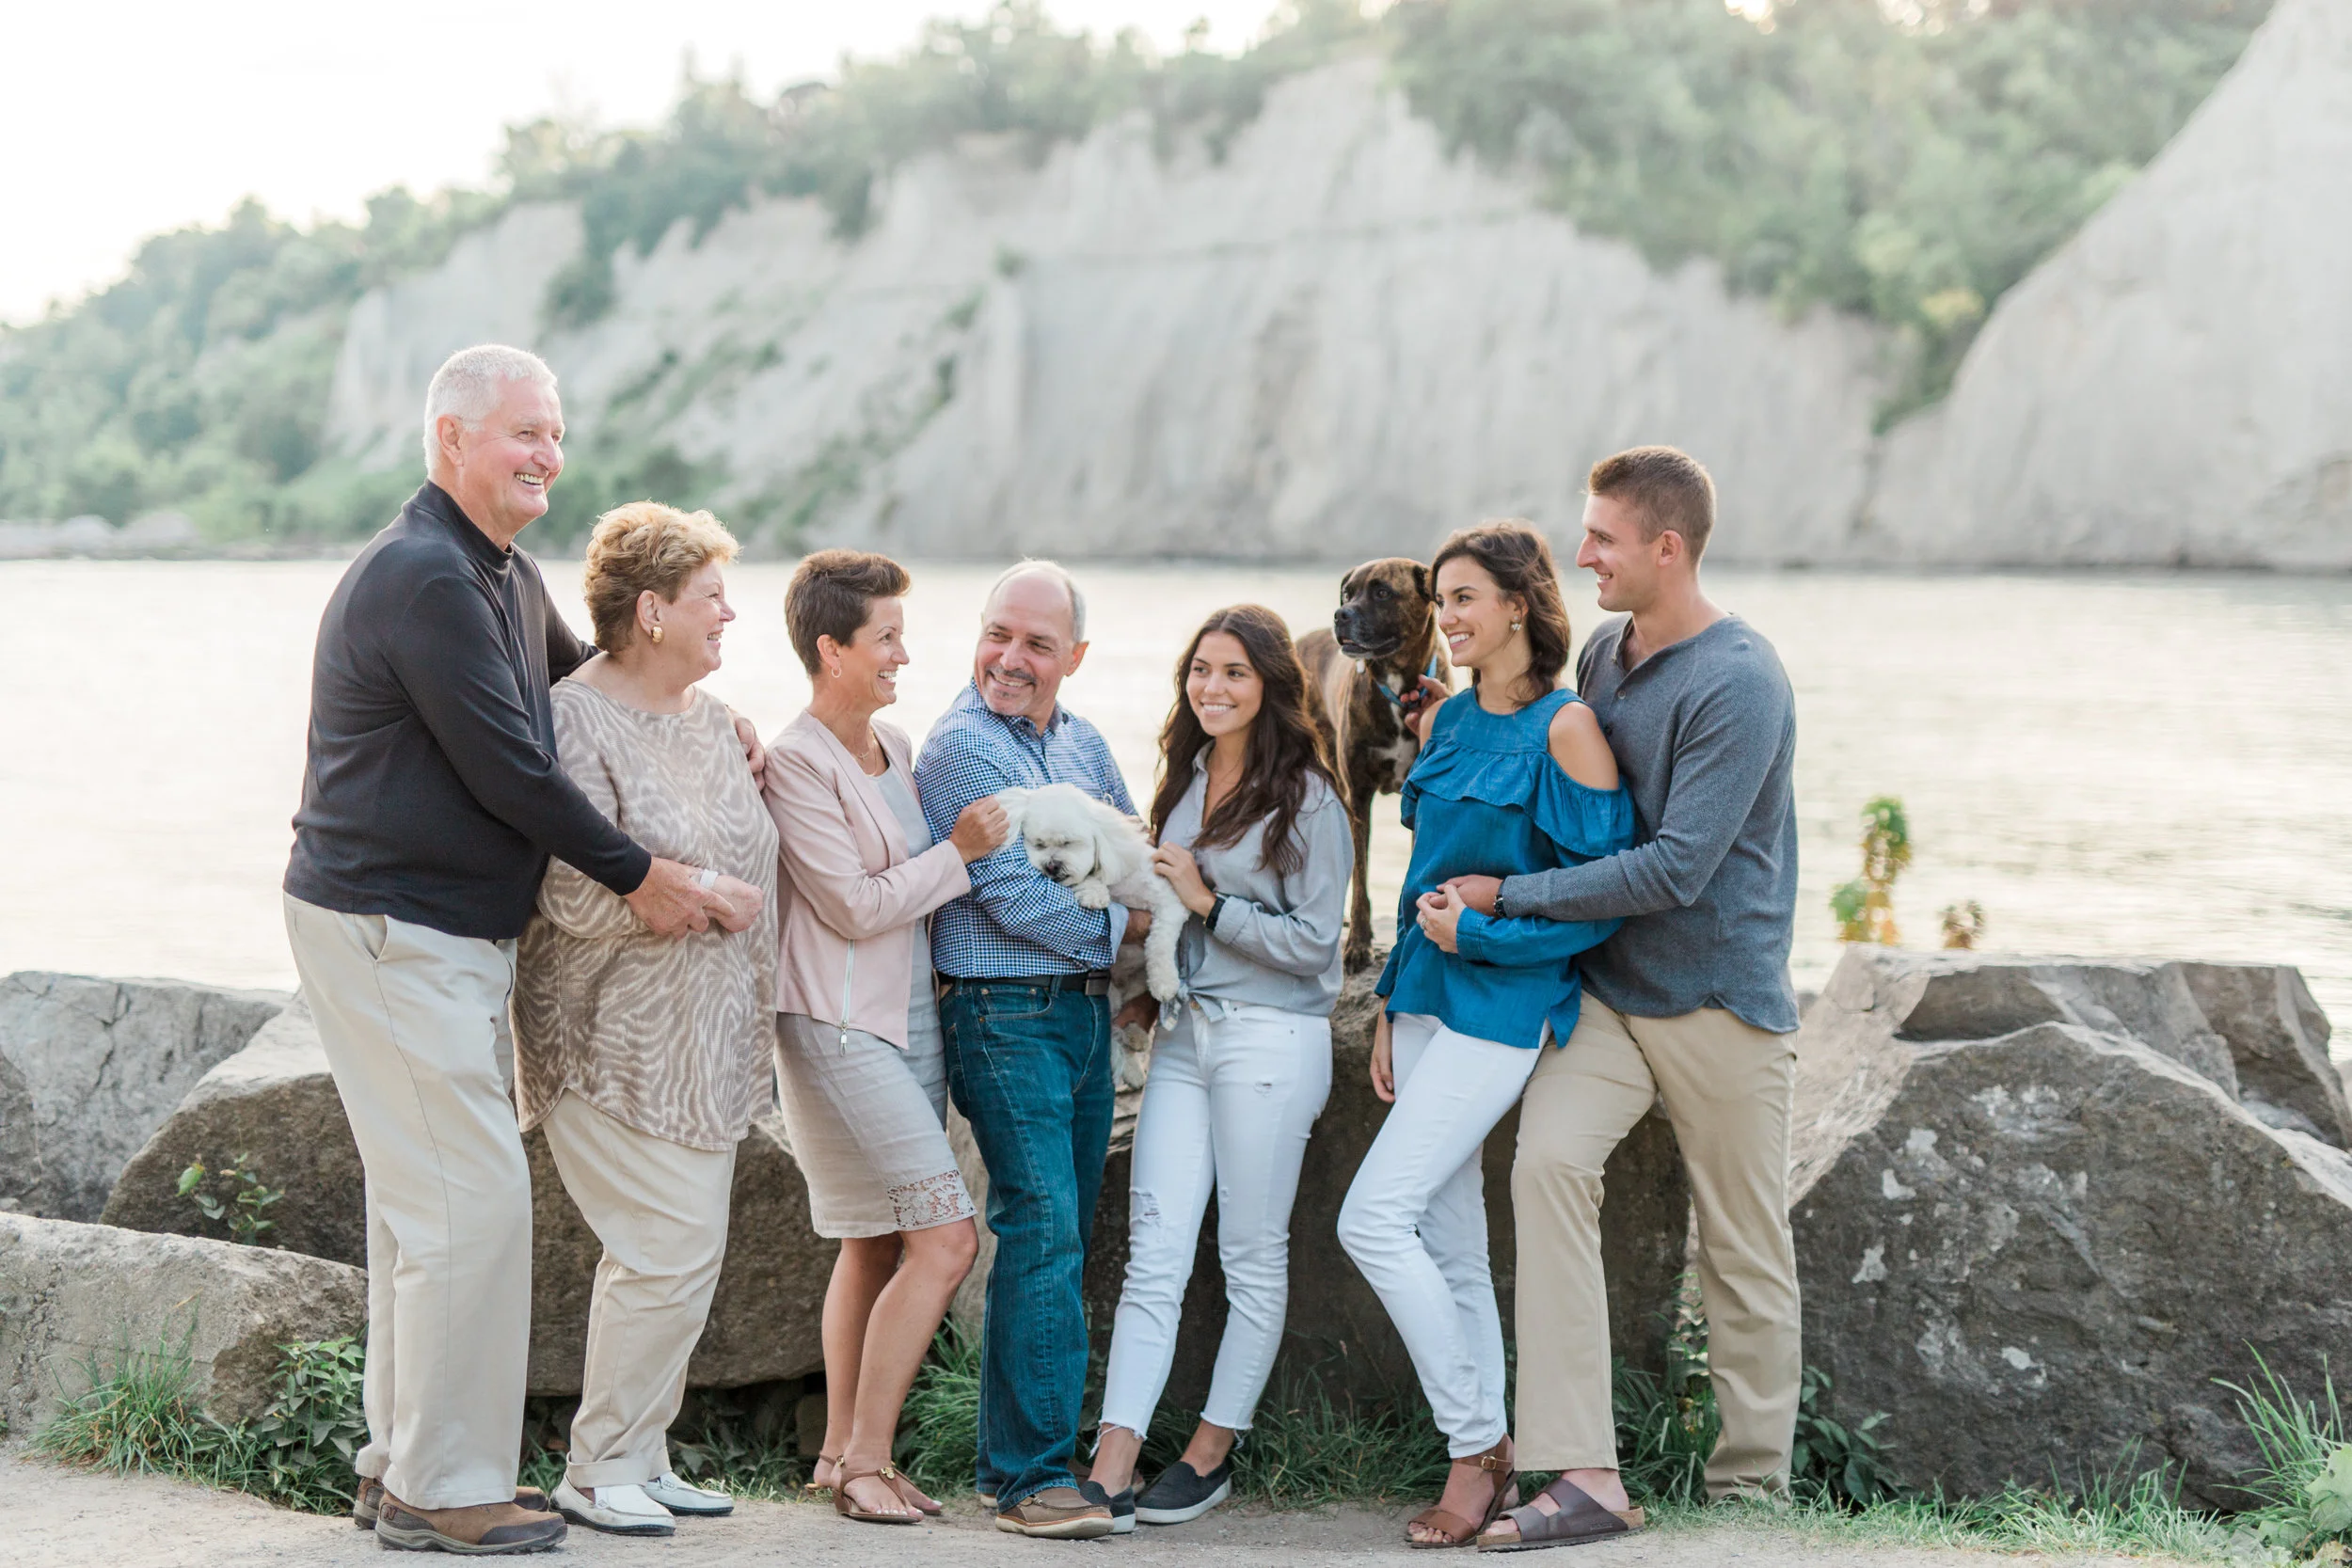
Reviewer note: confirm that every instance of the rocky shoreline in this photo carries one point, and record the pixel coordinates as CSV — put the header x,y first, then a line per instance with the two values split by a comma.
x,y
2045,1208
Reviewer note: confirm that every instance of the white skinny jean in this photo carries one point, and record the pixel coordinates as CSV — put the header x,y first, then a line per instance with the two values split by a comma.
x,y
1230,1103
1415,1219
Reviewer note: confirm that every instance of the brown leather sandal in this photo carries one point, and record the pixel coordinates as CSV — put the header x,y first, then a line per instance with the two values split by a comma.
x,y
1578,1519
848,1507
1457,1530
913,1495
818,1489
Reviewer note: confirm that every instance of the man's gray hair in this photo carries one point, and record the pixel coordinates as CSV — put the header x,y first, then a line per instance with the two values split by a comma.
x,y
1052,569
469,383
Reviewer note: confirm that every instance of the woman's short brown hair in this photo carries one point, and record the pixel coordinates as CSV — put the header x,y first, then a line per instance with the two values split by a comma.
x,y
645,548
1519,560
832,594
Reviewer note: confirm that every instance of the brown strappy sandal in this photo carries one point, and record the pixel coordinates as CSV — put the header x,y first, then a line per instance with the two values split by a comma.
x,y
1457,1530
1578,1519
848,1507
913,1495
816,1488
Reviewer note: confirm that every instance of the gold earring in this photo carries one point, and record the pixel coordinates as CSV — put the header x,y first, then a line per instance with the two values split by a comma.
x,y
657,635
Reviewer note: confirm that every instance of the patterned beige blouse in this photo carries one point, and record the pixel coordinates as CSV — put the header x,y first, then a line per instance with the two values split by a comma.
x,y
672,1036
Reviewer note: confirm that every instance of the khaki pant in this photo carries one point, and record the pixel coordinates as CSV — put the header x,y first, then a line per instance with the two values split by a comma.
x,y
413,1025
660,1210
1727,1087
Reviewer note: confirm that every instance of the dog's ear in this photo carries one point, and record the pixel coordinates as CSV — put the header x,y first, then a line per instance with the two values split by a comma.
x,y
1421,582
1114,845
1016,805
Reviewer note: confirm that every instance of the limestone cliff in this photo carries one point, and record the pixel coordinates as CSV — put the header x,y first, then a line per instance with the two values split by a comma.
x,y
2176,384
1337,341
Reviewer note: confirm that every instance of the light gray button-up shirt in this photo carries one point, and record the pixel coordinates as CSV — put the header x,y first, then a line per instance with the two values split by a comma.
x,y
1277,941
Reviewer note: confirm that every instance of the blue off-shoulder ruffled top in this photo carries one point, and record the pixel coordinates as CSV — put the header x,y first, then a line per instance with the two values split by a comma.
x,y
1485,798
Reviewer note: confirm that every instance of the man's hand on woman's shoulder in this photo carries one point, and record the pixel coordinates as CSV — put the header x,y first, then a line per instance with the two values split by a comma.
x,y
755,754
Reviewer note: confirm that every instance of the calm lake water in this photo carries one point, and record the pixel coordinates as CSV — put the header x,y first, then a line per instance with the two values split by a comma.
x,y
2154,765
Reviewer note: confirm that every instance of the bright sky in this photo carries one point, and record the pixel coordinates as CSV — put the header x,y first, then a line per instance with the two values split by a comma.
x,y
122,120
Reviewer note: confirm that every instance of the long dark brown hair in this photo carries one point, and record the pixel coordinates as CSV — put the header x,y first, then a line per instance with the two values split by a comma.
x,y
1286,743
1516,556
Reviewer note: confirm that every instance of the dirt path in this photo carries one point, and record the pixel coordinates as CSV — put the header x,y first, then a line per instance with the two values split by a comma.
x,y
65,1518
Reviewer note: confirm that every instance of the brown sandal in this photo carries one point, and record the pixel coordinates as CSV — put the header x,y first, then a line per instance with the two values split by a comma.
x,y
848,1507
911,1495
1580,1518
818,1489
1457,1530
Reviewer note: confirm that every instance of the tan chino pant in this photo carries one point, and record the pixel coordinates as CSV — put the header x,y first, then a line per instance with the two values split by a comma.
x,y
660,1210
413,1025
1727,1087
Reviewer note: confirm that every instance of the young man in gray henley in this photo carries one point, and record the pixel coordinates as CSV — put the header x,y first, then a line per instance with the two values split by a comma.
x,y
1690,1001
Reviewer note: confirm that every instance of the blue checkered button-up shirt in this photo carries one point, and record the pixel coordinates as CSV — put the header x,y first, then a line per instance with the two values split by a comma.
x,y
1014,920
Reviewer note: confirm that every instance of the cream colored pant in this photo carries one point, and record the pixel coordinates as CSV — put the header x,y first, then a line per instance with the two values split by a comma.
x,y
414,1024
1727,1087
660,1210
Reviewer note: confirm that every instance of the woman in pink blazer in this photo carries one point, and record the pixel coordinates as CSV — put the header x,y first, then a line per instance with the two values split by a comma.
x,y
858,1048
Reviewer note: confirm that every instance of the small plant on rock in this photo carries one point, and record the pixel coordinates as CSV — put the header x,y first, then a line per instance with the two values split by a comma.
x,y
1963,924
236,1197
1865,907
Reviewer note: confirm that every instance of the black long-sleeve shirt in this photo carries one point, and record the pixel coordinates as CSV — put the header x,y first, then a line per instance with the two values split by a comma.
x,y
433,793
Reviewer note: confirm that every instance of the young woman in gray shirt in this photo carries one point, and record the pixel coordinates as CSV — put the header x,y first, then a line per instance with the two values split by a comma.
x,y
1254,837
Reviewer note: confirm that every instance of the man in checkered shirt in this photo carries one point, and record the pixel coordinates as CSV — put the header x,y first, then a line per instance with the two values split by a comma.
x,y
1027,1017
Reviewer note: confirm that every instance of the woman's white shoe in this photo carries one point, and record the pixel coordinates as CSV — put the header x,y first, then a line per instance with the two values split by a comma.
x,y
614,1510
680,1497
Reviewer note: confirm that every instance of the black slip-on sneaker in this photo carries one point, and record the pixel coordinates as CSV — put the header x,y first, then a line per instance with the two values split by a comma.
x,y
1183,1494
1120,1503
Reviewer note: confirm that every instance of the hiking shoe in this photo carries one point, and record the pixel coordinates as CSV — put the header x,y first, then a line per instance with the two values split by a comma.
x,y
1057,1513
1121,1504
367,1501
614,1510
679,1497
1183,1494
483,1529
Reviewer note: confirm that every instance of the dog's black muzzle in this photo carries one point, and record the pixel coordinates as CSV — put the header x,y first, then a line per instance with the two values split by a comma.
x,y
1357,639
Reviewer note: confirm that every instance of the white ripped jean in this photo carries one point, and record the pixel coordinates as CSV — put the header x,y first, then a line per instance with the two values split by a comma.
x,y
1228,1105
1415,1219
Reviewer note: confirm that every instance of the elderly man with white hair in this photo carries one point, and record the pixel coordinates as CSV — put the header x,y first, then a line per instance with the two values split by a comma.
x,y
1027,1020
431,804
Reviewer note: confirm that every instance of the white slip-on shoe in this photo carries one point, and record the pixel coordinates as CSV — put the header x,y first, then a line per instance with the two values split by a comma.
x,y
614,1510
682,1496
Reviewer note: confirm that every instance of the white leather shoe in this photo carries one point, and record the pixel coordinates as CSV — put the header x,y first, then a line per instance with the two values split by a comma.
x,y
682,1496
614,1510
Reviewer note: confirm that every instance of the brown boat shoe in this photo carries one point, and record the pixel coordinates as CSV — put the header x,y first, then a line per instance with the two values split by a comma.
x,y
483,1529
369,1500
1056,1513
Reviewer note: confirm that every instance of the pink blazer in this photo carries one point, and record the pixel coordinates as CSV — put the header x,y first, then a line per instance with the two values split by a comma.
x,y
846,891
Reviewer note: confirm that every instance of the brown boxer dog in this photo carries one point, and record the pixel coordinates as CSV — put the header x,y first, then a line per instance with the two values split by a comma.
x,y
1368,669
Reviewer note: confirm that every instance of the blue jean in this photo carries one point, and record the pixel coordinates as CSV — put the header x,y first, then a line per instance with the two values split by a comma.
x,y
1030,1068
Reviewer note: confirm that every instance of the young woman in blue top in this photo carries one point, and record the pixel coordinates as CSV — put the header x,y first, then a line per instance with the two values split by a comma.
x,y
1514,773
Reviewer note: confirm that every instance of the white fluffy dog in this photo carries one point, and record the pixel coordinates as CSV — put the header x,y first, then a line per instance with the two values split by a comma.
x,y
1100,855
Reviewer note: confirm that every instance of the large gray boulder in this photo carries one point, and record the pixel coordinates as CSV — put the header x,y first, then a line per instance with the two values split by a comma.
x,y
1338,1333
90,1068
76,1295
2042,1211
277,1102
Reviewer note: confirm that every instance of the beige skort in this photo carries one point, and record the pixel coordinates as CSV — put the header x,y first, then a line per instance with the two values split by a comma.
x,y
868,1124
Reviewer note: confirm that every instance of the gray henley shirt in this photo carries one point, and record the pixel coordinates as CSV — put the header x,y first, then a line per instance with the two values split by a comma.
x,y
1705,733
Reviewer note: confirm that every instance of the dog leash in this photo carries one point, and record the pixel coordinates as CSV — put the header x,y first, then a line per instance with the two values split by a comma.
x,y
1382,686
